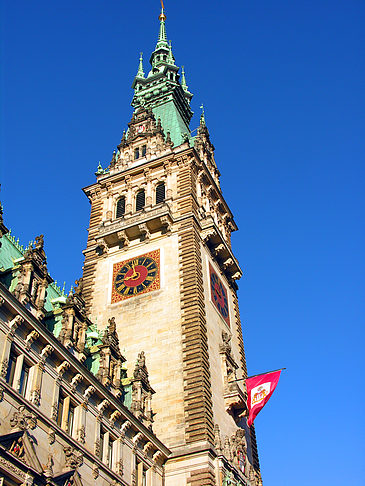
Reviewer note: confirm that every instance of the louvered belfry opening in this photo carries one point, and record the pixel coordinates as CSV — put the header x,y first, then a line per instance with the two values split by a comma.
x,y
140,200
160,192
120,207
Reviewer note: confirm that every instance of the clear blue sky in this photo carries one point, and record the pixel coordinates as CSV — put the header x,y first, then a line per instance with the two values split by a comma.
x,y
282,84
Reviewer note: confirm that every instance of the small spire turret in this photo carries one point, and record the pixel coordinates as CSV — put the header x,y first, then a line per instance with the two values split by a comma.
x,y
202,116
140,72
183,80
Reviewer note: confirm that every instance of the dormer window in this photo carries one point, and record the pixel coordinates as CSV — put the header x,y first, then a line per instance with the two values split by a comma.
x,y
140,200
160,192
120,207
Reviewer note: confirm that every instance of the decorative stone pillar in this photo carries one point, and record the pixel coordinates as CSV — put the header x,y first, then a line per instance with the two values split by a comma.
x,y
129,196
148,181
168,171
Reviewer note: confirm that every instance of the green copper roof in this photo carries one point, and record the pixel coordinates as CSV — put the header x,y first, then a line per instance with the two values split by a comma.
x,y
161,90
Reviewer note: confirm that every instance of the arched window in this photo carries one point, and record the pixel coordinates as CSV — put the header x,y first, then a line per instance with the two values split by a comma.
x,y
120,207
160,192
140,200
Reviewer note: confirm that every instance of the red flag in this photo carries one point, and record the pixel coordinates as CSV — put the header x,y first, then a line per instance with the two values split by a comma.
x,y
259,390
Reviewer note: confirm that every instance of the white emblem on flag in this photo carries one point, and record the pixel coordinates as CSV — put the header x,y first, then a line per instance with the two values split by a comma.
x,y
259,393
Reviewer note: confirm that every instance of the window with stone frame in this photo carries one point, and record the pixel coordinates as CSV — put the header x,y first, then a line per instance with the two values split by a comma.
x,y
18,372
140,200
24,376
144,150
65,412
11,368
120,207
160,192
141,473
106,447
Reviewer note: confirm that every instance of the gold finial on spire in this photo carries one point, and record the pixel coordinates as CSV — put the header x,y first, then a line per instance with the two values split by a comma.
x,y
162,16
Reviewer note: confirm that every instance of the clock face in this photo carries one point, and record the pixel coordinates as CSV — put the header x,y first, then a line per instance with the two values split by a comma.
x,y
136,276
141,129
219,295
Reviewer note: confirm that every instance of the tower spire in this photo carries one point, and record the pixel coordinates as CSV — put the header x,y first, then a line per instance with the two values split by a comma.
x,y
140,73
162,38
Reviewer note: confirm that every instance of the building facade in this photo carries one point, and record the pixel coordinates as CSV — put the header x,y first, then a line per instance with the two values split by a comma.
x,y
160,278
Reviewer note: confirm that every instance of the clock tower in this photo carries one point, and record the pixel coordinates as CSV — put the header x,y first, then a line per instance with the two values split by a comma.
x,y
159,260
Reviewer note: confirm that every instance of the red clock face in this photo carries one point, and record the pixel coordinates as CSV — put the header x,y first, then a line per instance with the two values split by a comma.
x,y
219,295
136,276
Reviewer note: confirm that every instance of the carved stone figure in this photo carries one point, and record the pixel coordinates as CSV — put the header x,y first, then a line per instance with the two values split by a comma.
x,y
23,420
73,458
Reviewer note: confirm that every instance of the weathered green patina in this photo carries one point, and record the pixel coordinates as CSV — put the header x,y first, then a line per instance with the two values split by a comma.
x,y
162,90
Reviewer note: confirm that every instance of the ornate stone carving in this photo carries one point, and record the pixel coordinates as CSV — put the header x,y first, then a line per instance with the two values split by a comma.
x,y
15,323
115,416
123,238
36,396
48,471
88,392
217,439
75,380
46,351
145,232
51,436
73,458
32,336
4,367
8,466
62,368
142,392
23,419
95,472
81,434
54,411
2,389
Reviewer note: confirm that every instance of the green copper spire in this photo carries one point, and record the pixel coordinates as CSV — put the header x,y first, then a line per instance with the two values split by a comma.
x,y
183,80
163,91
170,57
140,73
162,38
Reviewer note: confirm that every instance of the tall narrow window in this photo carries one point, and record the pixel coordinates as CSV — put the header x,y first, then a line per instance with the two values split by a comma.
x,y
120,207
144,150
160,193
70,418
11,368
136,154
102,434
24,379
110,453
60,410
140,200
140,473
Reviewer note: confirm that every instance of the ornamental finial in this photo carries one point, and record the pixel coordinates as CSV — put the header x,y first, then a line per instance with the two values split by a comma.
x,y
162,16
202,116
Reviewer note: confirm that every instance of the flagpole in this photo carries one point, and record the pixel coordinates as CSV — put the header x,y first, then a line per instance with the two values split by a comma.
x,y
253,376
